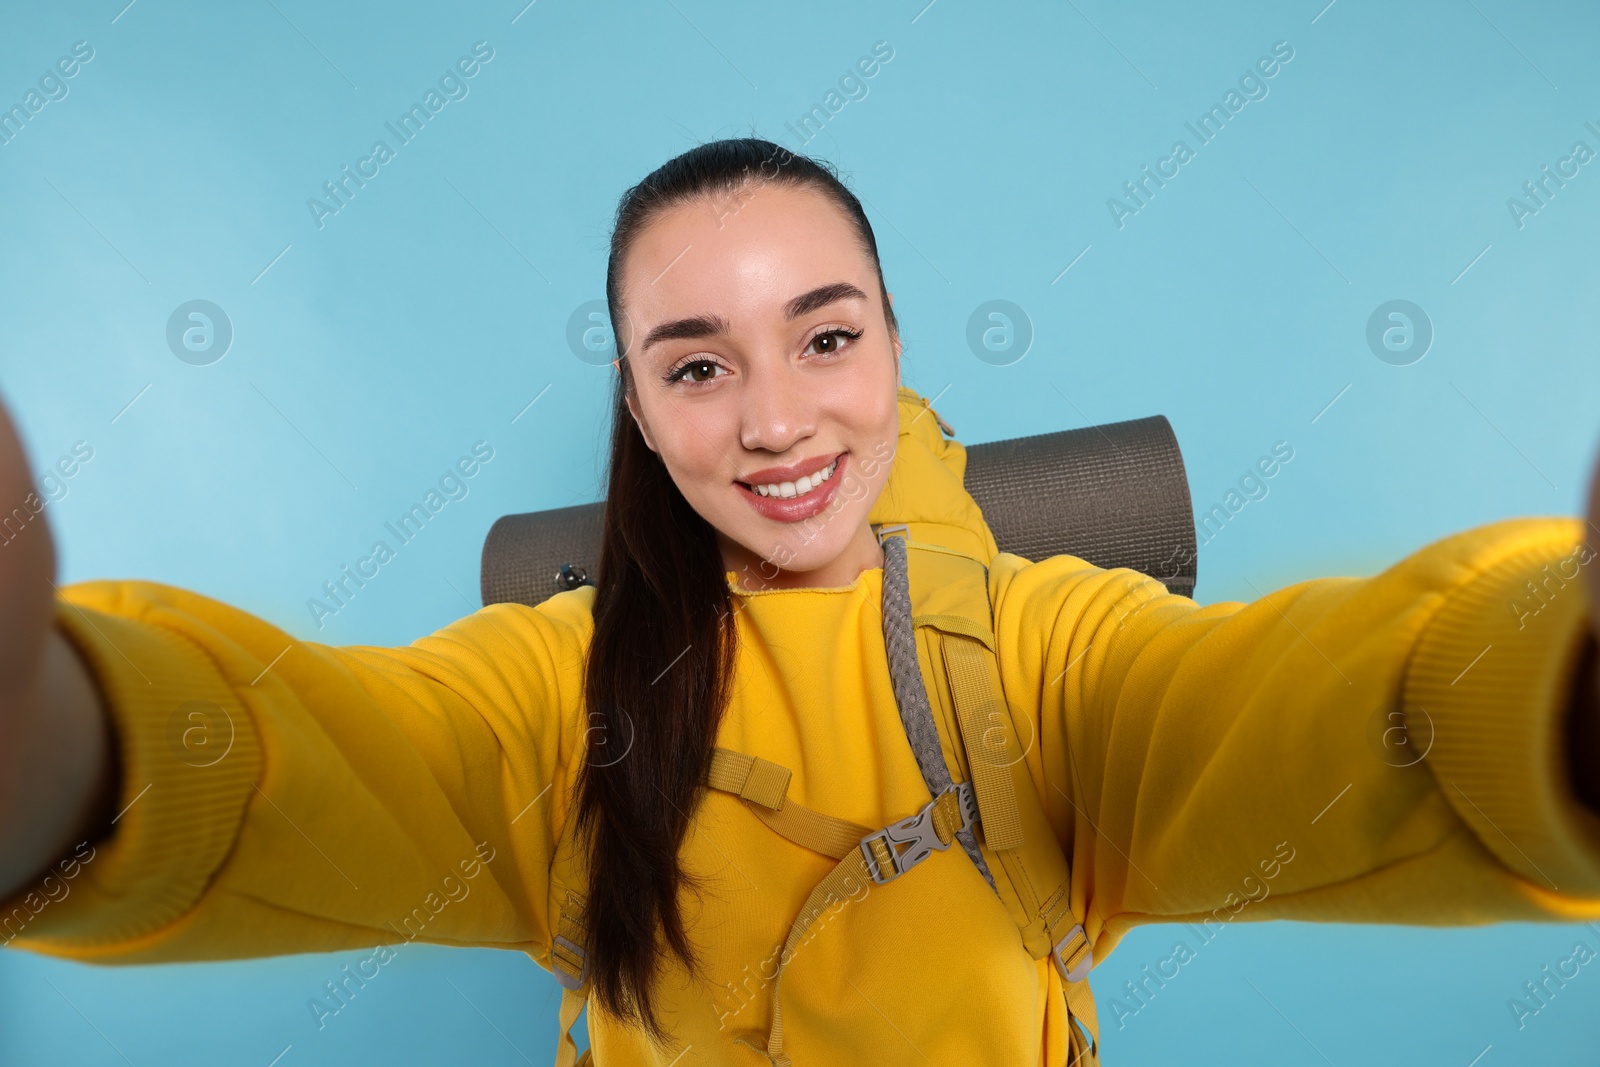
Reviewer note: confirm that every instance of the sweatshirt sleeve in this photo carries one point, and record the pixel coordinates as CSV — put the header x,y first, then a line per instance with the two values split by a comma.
x,y
282,796
1388,749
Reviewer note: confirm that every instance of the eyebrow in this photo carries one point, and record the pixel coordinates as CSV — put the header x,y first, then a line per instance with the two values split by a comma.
x,y
709,325
821,296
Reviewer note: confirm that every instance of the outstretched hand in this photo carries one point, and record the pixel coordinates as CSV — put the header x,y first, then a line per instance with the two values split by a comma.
x,y
1584,735
1591,533
27,568
55,768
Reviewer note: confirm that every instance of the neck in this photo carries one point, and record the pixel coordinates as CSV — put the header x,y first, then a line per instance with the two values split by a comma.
x,y
861,553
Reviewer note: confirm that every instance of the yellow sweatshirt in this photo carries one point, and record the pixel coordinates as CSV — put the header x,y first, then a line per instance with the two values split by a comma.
x,y
1199,764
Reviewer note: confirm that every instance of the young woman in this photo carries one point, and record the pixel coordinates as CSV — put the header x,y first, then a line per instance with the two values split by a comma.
x,y
181,780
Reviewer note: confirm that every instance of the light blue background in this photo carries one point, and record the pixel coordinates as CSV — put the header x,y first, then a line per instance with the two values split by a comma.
x,y
431,310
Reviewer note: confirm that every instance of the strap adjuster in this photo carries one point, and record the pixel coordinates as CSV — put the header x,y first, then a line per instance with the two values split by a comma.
x,y
1073,959
561,973
913,839
885,529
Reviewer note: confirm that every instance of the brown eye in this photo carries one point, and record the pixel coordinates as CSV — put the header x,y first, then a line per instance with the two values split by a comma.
x,y
692,370
828,343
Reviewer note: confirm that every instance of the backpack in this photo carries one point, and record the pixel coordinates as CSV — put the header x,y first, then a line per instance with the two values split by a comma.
x,y
946,610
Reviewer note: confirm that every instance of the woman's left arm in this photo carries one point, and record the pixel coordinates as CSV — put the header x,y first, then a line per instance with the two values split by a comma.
x,y
1418,746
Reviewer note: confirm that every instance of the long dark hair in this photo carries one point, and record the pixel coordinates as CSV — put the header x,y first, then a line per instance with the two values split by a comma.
x,y
664,643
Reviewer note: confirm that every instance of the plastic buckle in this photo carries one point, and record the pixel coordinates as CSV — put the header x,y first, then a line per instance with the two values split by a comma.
x,y
917,834
561,974
1062,954
889,528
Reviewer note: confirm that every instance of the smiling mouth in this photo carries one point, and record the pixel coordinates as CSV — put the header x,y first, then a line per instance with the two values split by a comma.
x,y
797,488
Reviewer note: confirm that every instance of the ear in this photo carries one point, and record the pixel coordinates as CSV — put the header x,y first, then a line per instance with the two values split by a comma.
x,y
644,431
895,339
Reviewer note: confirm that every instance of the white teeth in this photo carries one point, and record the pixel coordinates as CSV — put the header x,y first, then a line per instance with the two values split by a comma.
x,y
799,487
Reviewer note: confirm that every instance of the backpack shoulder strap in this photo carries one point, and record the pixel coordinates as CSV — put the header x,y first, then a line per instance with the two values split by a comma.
x,y
951,614
906,674
951,596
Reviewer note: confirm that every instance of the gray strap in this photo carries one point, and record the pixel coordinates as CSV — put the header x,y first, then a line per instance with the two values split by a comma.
x,y
909,693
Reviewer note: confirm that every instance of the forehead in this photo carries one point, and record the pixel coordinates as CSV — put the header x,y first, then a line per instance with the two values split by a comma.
x,y
748,251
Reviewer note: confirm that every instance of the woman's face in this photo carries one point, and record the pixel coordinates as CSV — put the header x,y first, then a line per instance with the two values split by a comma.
x,y
740,316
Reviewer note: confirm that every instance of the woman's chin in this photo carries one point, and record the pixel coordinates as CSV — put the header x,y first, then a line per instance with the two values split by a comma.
x,y
789,564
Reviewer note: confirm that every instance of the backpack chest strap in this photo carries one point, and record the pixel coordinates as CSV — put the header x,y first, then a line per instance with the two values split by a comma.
x,y
764,786
864,854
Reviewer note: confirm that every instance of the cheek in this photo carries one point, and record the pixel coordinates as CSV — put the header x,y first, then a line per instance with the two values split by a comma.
x,y
869,418
878,447
865,406
696,458
691,455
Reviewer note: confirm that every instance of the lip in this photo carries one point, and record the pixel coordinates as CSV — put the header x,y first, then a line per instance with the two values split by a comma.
x,y
793,472
796,508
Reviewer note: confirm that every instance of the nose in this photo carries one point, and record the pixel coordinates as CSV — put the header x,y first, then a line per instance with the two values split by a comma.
x,y
778,409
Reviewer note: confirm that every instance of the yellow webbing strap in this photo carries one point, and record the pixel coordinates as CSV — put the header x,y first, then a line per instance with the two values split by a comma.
x,y
764,783
570,966
752,777
1073,949
841,882
984,738
846,876
1085,1052
566,1048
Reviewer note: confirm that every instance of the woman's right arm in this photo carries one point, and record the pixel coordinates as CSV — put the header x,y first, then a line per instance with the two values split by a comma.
x,y
272,795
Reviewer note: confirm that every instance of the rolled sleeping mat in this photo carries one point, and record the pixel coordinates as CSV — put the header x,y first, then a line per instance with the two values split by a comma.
x,y
1115,495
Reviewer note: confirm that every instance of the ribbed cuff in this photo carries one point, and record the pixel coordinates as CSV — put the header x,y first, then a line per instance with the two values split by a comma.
x,y
189,763
1496,673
